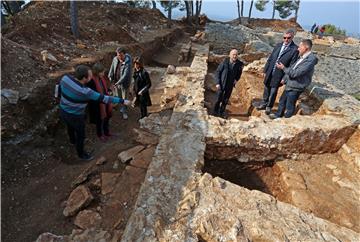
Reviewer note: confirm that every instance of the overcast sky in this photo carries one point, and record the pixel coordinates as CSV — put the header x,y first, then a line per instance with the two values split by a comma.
x,y
344,14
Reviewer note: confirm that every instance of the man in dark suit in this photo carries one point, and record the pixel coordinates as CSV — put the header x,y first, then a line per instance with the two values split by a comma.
x,y
286,53
227,75
297,77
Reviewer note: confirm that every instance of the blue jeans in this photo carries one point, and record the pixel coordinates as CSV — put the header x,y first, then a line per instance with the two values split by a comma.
x,y
123,92
287,103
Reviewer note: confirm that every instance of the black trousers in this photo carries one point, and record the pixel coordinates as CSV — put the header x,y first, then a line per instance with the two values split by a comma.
x,y
223,97
76,129
143,109
269,95
287,103
102,127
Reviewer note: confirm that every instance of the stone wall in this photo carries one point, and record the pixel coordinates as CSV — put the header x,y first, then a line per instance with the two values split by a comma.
x,y
224,37
177,203
260,139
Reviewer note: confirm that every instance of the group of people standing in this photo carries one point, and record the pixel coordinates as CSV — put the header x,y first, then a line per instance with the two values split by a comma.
x,y
90,86
288,64
316,29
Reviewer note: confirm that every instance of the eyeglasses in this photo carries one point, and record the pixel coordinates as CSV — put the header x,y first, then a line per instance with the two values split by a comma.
x,y
287,37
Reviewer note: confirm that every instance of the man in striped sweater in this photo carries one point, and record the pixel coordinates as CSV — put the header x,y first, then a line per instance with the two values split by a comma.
x,y
74,99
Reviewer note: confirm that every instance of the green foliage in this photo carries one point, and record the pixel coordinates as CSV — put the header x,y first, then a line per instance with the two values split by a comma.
x,y
170,4
357,96
333,30
260,4
138,3
285,7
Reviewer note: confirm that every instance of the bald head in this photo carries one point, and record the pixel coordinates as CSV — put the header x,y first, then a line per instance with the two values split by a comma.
x,y
233,55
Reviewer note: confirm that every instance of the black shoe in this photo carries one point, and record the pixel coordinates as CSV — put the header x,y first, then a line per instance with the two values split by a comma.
x,y
223,115
261,107
86,156
273,116
267,110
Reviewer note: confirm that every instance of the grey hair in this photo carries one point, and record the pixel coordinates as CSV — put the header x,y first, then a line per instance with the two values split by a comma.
x,y
290,31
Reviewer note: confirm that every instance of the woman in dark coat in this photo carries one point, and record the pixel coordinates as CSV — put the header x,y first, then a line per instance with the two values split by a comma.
x,y
142,84
100,113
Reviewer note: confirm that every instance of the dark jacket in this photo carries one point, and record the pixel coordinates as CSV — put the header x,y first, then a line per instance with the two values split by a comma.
x,y
222,73
288,57
142,82
299,78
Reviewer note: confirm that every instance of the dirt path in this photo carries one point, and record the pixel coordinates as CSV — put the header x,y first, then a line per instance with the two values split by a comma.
x,y
37,181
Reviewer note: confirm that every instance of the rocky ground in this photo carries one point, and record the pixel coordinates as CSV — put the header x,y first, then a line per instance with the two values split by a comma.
x,y
38,164
159,178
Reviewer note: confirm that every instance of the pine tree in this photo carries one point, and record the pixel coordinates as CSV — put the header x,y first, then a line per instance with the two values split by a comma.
x,y
74,18
168,6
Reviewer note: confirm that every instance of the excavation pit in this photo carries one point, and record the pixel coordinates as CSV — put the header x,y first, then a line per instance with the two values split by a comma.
x,y
247,95
250,175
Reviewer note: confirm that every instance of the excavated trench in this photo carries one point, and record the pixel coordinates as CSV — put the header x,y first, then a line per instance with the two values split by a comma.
x,y
249,175
247,94
325,185
300,161
62,166
320,182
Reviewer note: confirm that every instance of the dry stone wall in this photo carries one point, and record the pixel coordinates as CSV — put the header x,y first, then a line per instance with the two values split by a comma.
x,y
262,139
177,203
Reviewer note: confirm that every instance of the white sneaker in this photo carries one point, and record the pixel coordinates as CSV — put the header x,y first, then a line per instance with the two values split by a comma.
x,y
125,116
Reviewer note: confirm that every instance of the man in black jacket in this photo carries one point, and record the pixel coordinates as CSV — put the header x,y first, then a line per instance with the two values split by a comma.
x,y
227,75
286,53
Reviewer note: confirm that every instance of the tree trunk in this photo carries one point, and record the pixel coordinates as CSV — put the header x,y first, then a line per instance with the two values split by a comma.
x,y
242,8
169,16
74,19
197,13
153,4
192,7
187,7
273,12
238,6
297,9
251,6
6,6
200,4
3,20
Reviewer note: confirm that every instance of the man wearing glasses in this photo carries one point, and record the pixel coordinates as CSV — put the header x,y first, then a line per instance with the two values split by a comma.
x,y
286,53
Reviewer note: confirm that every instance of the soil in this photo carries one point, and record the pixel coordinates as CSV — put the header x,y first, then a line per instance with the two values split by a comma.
x,y
275,24
37,173
247,94
38,163
316,192
37,176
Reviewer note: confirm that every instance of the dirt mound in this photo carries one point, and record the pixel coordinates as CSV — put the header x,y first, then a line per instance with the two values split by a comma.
x,y
21,66
45,25
50,21
276,25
